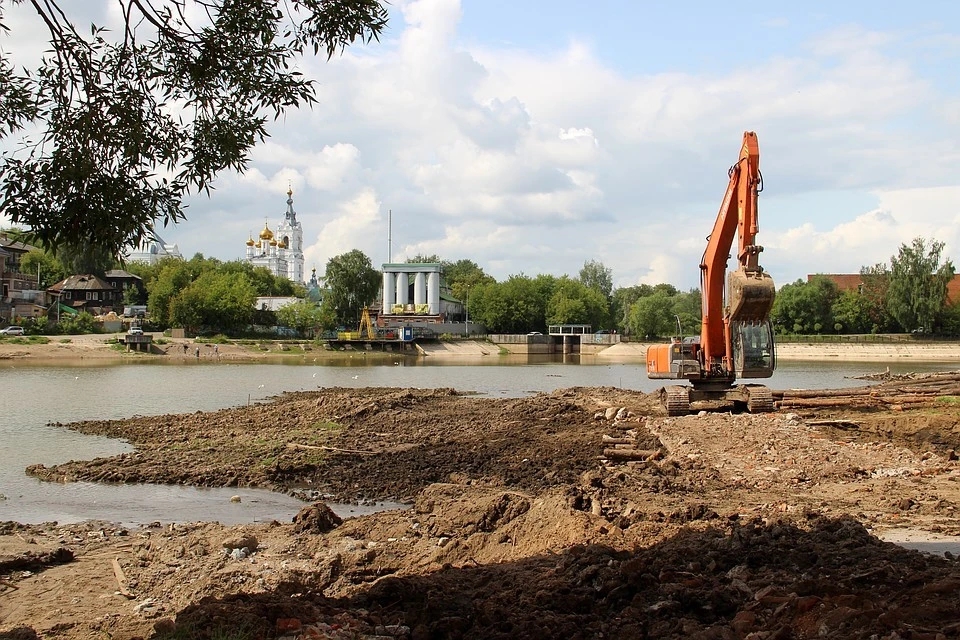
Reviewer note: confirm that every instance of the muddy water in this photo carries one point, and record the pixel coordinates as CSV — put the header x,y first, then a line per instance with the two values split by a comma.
x,y
36,396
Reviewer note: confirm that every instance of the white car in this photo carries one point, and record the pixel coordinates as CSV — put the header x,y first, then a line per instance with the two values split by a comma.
x,y
135,331
12,331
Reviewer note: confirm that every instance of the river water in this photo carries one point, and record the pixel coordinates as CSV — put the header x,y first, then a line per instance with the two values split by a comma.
x,y
37,395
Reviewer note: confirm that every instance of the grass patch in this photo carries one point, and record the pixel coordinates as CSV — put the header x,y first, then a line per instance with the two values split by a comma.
x,y
25,340
949,399
217,339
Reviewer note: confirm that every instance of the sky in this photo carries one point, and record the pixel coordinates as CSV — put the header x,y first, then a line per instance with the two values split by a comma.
x,y
532,136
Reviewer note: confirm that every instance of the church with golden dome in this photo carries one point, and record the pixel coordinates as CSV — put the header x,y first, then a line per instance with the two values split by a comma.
x,y
280,252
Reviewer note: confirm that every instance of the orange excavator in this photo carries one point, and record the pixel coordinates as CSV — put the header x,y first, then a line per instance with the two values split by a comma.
x,y
736,338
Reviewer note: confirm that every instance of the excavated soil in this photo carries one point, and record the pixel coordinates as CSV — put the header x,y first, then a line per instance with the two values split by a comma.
x,y
584,513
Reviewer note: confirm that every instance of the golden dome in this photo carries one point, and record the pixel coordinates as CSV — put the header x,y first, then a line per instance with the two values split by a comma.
x,y
250,241
266,234
281,245
258,244
273,242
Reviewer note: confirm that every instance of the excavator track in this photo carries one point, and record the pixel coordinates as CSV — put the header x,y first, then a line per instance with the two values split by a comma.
x,y
759,399
676,400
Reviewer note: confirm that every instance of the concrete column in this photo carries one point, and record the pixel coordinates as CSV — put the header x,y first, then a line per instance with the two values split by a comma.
x,y
389,291
403,295
419,288
433,292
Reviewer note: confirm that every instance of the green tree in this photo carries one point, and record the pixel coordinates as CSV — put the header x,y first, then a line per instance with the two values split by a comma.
x,y
218,302
875,283
174,277
805,307
850,313
117,127
623,299
38,261
463,276
652,316
598,277
306,317
517,305
573,302
352,283
917,295
688,307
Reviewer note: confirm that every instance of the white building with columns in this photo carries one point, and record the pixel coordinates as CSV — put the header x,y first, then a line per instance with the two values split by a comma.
x,y
403,297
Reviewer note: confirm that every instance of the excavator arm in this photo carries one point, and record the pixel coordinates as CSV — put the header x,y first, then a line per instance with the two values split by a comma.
x,y
749,291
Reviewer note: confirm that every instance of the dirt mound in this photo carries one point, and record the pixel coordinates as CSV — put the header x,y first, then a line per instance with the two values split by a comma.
x,y
582,513
317,518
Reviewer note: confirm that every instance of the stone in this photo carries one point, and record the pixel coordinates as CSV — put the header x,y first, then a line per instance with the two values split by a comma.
x,y
234,498
248,542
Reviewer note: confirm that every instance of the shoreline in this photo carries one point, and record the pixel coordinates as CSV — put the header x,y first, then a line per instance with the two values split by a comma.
x,y
95,347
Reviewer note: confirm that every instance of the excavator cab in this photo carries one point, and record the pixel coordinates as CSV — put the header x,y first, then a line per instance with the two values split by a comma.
x,y
754,355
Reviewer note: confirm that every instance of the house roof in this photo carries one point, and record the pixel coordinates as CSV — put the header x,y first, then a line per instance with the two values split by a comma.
x,y
120,273
86,282
20,247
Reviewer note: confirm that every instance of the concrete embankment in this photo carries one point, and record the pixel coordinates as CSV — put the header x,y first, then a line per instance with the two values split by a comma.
x,y
634,351
873,352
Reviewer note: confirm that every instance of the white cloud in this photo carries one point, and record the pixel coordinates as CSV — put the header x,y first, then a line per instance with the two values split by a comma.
x,y
534,162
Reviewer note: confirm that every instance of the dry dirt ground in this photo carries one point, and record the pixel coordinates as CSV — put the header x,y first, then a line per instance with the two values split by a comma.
x,y
584,513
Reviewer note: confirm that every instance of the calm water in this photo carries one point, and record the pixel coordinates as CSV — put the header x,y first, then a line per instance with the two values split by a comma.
x,y
37,395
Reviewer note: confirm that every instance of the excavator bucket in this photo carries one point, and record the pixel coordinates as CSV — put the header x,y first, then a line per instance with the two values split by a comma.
x,y
749,295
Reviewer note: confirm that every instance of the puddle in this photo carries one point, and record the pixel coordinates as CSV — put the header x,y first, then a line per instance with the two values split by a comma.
x,y
140,504
925,541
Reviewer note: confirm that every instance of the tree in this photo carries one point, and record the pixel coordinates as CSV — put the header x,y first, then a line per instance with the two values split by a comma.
x,y
597,277
463,276
122,126
219,302
623,299
917,294
652,316
850,313
573,302
352,283
805,307
38,261
875,282
517,305
305,317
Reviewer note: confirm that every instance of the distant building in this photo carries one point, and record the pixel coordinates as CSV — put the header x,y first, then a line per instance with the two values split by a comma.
x,y
281,252
86,293
20,295
123,280
152,251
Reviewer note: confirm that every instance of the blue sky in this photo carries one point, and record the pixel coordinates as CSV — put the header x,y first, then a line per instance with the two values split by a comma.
x,y
533,136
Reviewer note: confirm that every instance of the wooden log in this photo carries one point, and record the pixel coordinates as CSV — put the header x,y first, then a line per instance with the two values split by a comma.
x,y
906,399
611,440
800,403
790,394
631,454
121,579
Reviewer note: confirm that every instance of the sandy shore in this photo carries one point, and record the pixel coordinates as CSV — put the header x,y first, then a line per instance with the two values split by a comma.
x,y
100,347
